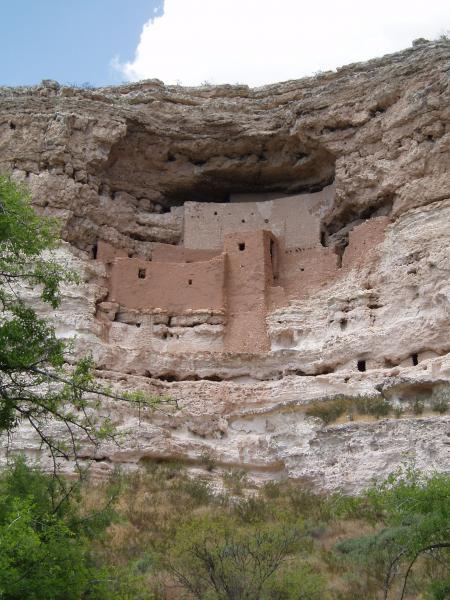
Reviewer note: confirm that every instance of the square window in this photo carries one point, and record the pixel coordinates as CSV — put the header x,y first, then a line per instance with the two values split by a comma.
x,y
241,246
141,273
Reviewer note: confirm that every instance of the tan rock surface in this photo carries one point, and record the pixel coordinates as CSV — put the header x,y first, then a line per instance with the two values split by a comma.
x,y
117,164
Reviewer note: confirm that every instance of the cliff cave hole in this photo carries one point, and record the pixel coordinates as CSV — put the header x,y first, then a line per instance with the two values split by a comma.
x,y
361,365
94,251
12,126
415,359
141,274
241,246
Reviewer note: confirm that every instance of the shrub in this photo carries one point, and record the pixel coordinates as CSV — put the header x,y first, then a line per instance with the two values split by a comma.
x,y
329,410
418,407
375,406
234,480
212,558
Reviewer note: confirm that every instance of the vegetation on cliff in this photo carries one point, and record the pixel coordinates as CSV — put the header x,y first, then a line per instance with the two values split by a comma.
x,y
36,381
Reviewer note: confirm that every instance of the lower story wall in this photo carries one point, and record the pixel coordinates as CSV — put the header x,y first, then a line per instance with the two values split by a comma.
x,y
174,287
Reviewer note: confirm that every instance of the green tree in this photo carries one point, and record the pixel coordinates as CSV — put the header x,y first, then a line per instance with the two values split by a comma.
x,y
415,511
36,383
215,559
45,540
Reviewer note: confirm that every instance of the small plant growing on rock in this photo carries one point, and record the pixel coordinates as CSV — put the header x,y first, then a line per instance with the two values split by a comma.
x,y
440,406
418,407
441,399
398,412
330,410
207,461
235,480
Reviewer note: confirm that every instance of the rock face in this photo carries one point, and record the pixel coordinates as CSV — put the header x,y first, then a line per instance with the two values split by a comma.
x,y
362,309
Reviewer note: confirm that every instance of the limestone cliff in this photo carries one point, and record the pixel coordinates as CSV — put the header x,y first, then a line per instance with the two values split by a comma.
x,y
117,166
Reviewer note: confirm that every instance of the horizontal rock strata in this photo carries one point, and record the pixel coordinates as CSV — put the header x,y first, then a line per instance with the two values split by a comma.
x,y
117,165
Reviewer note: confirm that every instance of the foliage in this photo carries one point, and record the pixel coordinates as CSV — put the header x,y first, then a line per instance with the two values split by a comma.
x,y
174,541
44,539
415,511
213,559
35,380
330,410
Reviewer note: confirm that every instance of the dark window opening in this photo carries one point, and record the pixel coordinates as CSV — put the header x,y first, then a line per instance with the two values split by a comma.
x,y
415,359
243,221
141,273
12,126
190,282
94,251
361,365
215,213
274,258
138,324
241,246
266,220
343,324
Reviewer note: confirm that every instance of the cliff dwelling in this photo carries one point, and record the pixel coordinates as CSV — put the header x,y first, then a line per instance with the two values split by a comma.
x,y
235,263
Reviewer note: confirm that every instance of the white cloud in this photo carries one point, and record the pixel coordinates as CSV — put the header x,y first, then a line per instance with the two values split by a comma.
x,y
262,41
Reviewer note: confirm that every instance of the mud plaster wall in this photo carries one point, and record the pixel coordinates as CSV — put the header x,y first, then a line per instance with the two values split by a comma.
x,y
107,253
304,271
249,277
363,238
295,220
169,253
175,287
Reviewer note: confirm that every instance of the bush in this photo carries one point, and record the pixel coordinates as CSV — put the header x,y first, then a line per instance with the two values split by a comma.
x,y
212,558
329,410
418,407
235,480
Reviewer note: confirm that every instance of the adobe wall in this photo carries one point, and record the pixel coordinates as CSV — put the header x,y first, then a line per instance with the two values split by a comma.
x,y
174,287
305,271
170,253
248,278
294,220
107,253
362,239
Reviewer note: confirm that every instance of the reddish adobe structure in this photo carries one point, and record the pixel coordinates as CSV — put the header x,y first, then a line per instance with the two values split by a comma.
x,y
252,273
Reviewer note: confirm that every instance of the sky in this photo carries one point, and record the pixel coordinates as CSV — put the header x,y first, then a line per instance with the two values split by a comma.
x,y
191,42
71,41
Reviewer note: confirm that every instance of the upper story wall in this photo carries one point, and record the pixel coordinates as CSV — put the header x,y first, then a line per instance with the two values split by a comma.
x,y
174,287
169,253
294,220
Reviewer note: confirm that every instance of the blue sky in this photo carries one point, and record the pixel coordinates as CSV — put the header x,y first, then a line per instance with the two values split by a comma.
x,y
105,42
72,41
